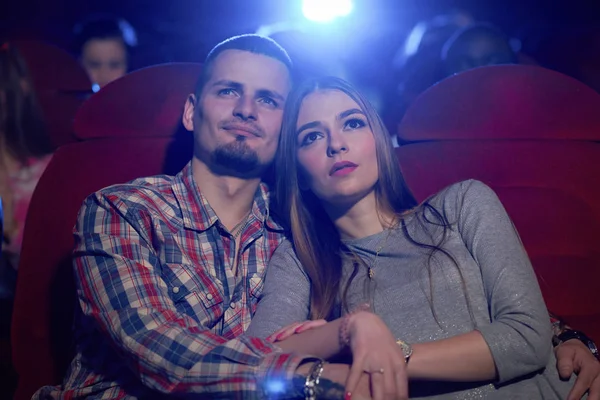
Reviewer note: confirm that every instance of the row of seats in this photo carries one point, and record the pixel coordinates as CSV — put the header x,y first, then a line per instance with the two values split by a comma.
x,y
527,132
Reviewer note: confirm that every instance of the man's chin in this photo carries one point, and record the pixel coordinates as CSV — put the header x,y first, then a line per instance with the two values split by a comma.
x,y
237,159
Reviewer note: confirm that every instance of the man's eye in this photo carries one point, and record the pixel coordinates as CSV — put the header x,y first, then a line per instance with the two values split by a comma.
x,y
226,92
269,101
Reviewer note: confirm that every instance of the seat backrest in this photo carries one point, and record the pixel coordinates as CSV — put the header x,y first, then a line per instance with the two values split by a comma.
x,y
61,85
129,129
533,136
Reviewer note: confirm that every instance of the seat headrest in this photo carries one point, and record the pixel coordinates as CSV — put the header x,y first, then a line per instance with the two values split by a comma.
x,y
144,103
504,102
61,84
52,68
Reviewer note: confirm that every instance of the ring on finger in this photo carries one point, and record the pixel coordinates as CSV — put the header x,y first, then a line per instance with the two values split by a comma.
x,y
377,371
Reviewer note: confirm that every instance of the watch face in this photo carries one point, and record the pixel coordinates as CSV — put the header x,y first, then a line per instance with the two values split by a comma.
x,y
594,349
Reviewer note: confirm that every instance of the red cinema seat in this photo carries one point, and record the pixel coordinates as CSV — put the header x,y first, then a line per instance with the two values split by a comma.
x,y
130,129
61,85
533,135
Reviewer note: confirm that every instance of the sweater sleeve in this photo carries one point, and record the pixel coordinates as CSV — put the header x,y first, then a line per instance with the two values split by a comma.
x,y
519,336
286,295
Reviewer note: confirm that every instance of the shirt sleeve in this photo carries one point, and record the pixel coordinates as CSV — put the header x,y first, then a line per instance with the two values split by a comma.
x,y
286,295
119,285
519,336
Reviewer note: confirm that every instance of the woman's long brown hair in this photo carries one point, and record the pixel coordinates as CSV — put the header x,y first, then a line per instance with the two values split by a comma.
x,y
315,238
22,129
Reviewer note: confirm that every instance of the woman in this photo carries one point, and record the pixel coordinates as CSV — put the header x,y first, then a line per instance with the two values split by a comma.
x,y
448,277
24,154
104,44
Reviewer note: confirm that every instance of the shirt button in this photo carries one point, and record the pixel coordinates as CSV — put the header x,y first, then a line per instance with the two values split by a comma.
x,y
232,305
209,296
176,289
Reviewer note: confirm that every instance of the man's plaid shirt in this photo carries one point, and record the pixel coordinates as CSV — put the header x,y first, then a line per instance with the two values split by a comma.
x,y
161,311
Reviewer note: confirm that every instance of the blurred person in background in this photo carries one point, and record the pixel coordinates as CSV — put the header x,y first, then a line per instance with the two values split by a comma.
x,y
417,65
103,45
475,46
25,151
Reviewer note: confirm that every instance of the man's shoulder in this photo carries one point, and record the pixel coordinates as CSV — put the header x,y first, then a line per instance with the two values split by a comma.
x,y
141,193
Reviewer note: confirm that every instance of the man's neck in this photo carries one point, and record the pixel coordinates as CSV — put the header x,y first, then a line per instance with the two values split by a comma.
x,y
231,198
361,219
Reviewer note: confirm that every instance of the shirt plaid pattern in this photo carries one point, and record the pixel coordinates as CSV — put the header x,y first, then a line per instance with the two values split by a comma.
x,y
161,311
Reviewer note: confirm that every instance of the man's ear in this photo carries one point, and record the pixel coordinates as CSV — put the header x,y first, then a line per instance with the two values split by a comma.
x,y
188,112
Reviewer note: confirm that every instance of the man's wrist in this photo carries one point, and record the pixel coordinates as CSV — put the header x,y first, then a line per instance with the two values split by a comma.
x,y
330,383
570,334
327,389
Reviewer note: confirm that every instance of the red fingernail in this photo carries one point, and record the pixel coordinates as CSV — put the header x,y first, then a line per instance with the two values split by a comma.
x,y
298,329
278,336
348,396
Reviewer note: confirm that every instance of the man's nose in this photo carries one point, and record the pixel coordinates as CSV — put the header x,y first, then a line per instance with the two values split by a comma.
x,y
245,108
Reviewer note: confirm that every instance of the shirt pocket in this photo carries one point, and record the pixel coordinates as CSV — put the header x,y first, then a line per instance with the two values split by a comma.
x,y
196,294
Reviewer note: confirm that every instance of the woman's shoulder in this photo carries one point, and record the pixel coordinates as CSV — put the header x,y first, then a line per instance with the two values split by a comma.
x,y
460,197
464,193
286,247
285,260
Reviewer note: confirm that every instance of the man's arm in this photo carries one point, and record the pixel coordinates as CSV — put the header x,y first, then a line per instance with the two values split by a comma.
x,y
120,287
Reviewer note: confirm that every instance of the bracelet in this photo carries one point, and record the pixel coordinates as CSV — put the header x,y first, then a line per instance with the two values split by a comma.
x,y
407,349
312,380
345,328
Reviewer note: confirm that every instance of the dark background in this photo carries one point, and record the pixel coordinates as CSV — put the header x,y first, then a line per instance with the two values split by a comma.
x,y
184,30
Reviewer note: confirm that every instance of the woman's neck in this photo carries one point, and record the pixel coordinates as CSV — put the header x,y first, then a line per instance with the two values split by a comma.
x,y
363,218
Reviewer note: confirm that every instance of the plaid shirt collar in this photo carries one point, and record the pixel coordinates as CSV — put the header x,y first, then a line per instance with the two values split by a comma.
x,y
197,213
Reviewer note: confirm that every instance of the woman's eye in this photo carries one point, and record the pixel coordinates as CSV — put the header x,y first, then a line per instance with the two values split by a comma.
x,y
310,138
354,123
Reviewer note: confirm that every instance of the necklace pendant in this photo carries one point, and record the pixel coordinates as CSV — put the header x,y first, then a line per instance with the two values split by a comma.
x,y
371,273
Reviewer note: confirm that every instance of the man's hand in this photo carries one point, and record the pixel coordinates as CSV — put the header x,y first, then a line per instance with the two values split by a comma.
x,y
333,380
574,357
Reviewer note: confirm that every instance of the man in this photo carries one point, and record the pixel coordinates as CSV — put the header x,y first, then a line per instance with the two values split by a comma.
x,y
169,269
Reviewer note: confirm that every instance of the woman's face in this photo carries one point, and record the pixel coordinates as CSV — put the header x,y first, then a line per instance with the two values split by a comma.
x,y
104,60
335,148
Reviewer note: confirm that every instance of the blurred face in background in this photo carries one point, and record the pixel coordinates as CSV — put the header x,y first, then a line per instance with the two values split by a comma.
x,y
477,49
104,60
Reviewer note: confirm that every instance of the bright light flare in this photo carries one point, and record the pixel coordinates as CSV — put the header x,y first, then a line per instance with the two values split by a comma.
x,y
326,10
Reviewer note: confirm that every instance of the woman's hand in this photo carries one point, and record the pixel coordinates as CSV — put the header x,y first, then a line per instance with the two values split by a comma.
x,y
294,328
374,350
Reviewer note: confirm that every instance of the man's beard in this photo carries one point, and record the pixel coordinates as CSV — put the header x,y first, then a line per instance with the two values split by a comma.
x,y
238,159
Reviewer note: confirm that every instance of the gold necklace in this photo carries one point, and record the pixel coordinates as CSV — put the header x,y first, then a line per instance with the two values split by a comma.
x,y
371,268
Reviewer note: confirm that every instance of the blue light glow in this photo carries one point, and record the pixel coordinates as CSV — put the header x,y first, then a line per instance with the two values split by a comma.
x,y
326,10
275,386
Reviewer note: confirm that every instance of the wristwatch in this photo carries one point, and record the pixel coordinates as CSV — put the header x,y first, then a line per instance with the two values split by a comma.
x,y
407,349
582,337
